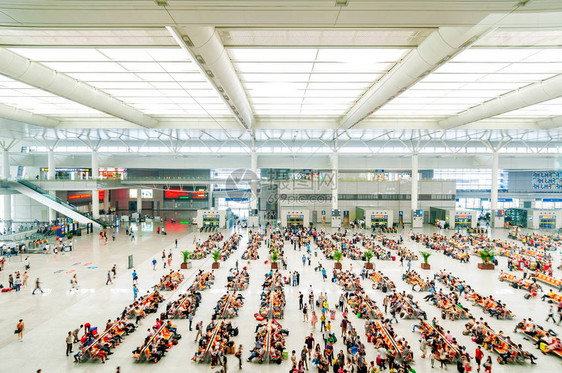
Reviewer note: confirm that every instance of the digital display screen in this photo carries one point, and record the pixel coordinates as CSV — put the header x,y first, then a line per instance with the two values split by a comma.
x,y
185,194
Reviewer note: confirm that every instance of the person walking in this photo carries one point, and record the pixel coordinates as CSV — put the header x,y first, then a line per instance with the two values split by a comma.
x,y
199,328
478,356
300,300
154,264
488,365
551,314
305,313
314,319
17,283
135,277
19,330
75,333
69,343
304,355
135,291
385,303
108,281
190,317
74,283
37,286
25,278
114,270
238,355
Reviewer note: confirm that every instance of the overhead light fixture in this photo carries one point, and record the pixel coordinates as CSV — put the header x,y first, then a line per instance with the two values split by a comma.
x,y
342,2
200,59
187,40
161,2
210,73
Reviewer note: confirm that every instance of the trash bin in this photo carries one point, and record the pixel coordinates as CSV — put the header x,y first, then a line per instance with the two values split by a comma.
x,y
316,253
78,231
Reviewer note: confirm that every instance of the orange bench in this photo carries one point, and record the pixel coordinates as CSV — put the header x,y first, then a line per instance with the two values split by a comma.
x,y
548,280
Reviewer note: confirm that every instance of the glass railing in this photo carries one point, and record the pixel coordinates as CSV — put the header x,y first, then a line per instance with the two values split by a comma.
x,y
54,198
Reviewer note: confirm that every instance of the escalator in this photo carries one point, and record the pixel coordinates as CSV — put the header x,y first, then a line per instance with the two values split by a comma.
x,y
42,196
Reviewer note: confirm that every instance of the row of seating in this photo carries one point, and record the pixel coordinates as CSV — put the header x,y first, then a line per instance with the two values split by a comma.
x,y
155,346
94,345
363,306
490,305
382,334
547,343
203,249
238,280
382,282
228,305
204,280
144,305
450,306
186,304
498,343
520,283
447,350
214,341
548,280
254,243
270,342
414,279
406,307
272,304
170,281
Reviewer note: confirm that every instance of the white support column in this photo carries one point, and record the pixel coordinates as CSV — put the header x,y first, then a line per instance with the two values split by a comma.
x,y
254,220
334,163
415,180
5,164
95,204
495,175
254,181
139,201
95,165
497,219
7,211
51,165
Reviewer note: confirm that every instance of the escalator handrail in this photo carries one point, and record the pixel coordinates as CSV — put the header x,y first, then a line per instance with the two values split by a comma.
x,y
55,199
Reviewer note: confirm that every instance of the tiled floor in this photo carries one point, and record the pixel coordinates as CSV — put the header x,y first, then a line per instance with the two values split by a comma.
x,y
49,316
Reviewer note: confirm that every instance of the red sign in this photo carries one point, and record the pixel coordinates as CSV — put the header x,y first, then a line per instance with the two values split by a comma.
x,y
184,194
101,195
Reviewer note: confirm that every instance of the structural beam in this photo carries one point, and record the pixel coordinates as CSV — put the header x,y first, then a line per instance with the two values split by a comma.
x,y
40,76
531,94
206,50
438,48
550,123
20,115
